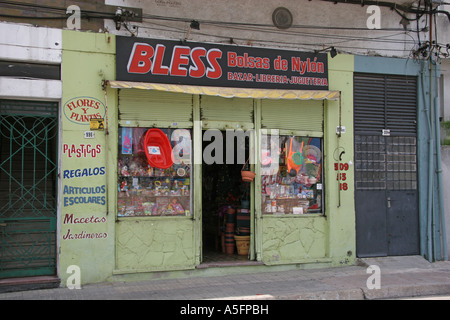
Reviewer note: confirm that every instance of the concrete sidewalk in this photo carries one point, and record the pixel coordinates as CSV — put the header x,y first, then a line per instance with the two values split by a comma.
x,y
399,277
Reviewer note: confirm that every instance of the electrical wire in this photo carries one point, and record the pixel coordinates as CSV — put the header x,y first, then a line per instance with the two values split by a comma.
x,y
297,34
295,31
327,35
343,38
227,39
266,28
53,18
45,8
269,26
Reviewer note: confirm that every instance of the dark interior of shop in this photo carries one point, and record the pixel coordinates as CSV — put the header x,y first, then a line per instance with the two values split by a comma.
x,y
225,205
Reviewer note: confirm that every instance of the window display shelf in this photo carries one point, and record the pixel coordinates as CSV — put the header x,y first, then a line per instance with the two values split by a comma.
x,y
154,168
156,205
153,218
292,183
153,196
293,216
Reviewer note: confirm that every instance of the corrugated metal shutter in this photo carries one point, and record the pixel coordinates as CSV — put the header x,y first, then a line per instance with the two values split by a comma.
x,y
386,196
226,109
401,106
293,115
135,104
385,102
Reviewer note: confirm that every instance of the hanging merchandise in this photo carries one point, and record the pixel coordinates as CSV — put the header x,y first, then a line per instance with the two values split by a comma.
x,y
247,176
294,159
313,153
138,140
158,149
127,137
313,164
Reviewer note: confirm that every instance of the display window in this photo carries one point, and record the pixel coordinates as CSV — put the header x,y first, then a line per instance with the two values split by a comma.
x,y
154,172
291,175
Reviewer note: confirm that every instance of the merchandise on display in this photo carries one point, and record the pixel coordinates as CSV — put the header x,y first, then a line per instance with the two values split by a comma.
x,y
152,179
291,178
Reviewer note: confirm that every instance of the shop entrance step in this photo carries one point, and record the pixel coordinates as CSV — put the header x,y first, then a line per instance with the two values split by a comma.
x,y
29,283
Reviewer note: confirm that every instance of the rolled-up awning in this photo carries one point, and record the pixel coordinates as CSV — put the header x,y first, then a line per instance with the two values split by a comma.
x,y
230,92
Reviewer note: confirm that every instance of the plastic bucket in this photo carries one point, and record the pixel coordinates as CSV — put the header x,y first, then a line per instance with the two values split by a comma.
x,y
242,244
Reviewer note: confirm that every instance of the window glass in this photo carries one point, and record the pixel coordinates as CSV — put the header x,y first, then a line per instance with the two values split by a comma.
x,y
291,175
154,172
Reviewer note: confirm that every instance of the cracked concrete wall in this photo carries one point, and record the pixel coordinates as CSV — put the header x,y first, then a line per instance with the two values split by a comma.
x,y
286,240
155,244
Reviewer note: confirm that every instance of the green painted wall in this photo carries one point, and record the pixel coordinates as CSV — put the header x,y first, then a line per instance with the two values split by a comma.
x,y
86,224
293,239
329,238
155,244
340,203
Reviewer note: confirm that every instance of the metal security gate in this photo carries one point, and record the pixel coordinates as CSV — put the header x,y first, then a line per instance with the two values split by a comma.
x,y
28,175
386,197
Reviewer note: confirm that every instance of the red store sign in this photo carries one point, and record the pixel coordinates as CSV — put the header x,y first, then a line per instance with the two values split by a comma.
x,y
173,62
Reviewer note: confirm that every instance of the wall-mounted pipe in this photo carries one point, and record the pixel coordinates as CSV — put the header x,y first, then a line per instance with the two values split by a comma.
x,y
444,253
428,233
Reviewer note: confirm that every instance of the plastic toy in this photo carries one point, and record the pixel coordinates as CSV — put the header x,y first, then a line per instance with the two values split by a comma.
x,y
294,159
158,149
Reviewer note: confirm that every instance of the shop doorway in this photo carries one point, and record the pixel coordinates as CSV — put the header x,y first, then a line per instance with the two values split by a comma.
x,y
226,212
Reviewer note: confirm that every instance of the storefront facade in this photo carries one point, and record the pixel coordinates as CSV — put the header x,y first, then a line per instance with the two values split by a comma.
x,y
136,186
128,208
122,156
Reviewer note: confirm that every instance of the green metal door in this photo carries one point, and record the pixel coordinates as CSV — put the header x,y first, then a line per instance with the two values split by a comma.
x,y
28,188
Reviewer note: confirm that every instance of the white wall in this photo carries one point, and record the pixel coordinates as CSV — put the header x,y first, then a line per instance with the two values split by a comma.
x,y
323,14
26,43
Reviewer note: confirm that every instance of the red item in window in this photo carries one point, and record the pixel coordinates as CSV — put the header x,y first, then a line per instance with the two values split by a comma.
x,y
158,149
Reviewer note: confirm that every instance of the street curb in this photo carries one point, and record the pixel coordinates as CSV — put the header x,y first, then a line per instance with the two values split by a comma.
x,y
350,294
388,292
404,291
